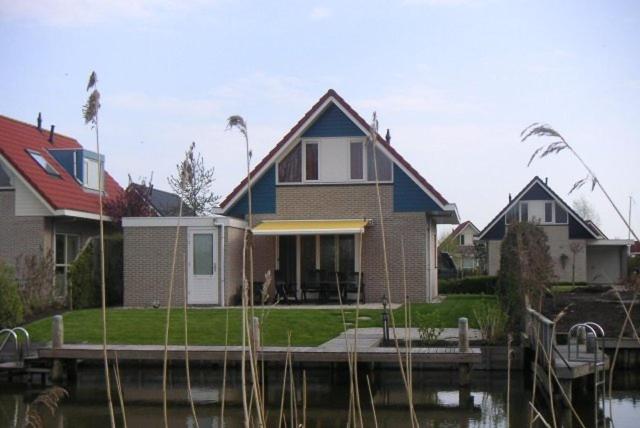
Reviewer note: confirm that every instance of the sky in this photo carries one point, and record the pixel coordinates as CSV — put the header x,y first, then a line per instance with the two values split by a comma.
x,y
455,81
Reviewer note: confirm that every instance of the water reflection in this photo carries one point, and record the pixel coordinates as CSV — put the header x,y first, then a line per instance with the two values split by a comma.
x,y
439,402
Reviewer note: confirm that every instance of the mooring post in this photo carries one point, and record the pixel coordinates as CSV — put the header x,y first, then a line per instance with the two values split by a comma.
x,y
463,334
255,332
57,341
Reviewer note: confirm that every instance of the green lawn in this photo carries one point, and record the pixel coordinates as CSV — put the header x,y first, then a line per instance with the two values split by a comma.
x,y
309,327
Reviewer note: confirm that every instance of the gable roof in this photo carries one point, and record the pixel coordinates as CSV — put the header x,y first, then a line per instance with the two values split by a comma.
x,y
459,228
61,193
165,204
331,97
547,189
594,227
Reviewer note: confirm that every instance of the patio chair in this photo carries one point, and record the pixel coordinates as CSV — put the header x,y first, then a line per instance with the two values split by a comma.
x,y
285,290
351,286
313,284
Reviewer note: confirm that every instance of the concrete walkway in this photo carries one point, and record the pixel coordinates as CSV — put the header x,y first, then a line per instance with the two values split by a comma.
x,y
371,337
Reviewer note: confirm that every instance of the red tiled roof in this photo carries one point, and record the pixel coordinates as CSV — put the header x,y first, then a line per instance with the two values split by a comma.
x,y
458,228
63,192
360,120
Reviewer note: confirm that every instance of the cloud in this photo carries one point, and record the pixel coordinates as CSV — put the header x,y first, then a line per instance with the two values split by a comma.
x,y
319,13
78,13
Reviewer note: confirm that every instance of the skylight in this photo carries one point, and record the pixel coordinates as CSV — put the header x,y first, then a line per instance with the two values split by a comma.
x,y
43,163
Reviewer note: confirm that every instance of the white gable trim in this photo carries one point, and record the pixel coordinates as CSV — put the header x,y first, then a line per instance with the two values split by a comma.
x,y
297,135
19,176
553,196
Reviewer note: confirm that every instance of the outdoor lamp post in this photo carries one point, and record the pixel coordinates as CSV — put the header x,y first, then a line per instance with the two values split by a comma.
x,y
385,320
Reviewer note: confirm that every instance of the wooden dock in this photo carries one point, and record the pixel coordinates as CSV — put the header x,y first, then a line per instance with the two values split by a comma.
x,y
307,354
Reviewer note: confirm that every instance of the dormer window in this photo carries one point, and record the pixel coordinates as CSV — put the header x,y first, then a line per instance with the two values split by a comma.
x,y
334,160
44,164
91,174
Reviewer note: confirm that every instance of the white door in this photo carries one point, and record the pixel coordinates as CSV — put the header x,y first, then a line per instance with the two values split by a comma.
x,y
202,265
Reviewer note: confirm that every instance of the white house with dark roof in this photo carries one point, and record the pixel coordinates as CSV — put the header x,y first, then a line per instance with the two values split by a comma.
x,y
579,249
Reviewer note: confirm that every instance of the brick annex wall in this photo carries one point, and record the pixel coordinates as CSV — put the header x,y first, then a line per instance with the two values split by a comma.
x,y
233,264
148,255
27,235
352,202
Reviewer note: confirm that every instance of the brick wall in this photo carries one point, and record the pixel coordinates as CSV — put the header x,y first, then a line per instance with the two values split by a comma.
x,y
351,202
21,235
148,255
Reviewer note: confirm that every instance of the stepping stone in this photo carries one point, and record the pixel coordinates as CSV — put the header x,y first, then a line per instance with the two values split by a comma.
x,y
364,318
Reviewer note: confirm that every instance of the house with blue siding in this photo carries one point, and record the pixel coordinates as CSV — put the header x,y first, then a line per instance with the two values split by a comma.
x,y
316,226
316,210
579,250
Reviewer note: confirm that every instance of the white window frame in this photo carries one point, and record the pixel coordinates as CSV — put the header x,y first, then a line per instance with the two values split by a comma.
x,y
45,164
85,174
67,263
553,212
303,167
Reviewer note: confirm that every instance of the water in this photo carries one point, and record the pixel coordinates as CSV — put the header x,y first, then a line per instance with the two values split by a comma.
x,y
439,402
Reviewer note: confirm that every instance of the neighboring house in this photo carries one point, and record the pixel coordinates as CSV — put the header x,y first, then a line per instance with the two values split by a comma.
x,y
315,209
48,197
460,245
161,203
574,244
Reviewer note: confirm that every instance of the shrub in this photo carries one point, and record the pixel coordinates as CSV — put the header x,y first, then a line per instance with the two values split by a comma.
x,y
428,328
36,273
11,308
526,270
492,322
468,285
84,274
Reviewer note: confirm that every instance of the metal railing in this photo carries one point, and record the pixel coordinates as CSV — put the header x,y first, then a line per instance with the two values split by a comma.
x,y
21,342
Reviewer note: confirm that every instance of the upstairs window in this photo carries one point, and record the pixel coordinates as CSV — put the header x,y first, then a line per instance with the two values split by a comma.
x,y
290,168
40,160
356,161
461,239
512,215
311,161
91,173
524,211
548,212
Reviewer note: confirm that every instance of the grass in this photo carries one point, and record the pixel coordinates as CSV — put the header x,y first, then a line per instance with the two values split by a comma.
x,y
309,327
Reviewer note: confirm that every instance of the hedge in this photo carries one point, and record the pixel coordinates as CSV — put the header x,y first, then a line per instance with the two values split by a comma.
x,y
469,285
84,274
11,308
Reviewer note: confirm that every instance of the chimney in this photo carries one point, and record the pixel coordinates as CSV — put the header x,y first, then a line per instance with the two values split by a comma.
x,y
388,137
53,127
546,180
509,197
39,121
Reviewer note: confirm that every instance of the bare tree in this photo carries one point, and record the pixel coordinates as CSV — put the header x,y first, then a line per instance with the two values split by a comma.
x,y
585,209
196,191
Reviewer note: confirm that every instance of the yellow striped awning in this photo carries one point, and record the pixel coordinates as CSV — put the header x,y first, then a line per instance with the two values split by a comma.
x,y
310,227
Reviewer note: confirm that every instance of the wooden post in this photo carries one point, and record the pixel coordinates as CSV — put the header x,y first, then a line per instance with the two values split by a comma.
x,y
255,333
57,341
463,334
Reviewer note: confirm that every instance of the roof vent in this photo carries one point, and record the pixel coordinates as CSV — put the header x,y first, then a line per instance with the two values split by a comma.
x,y
509,197
388,137
39,121
546,180
53,127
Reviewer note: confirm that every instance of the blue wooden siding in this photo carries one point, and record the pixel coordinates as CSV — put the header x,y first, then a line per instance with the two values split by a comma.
x,y
537,193
64,158
263,197
408,196
497,232
578,231
333,123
